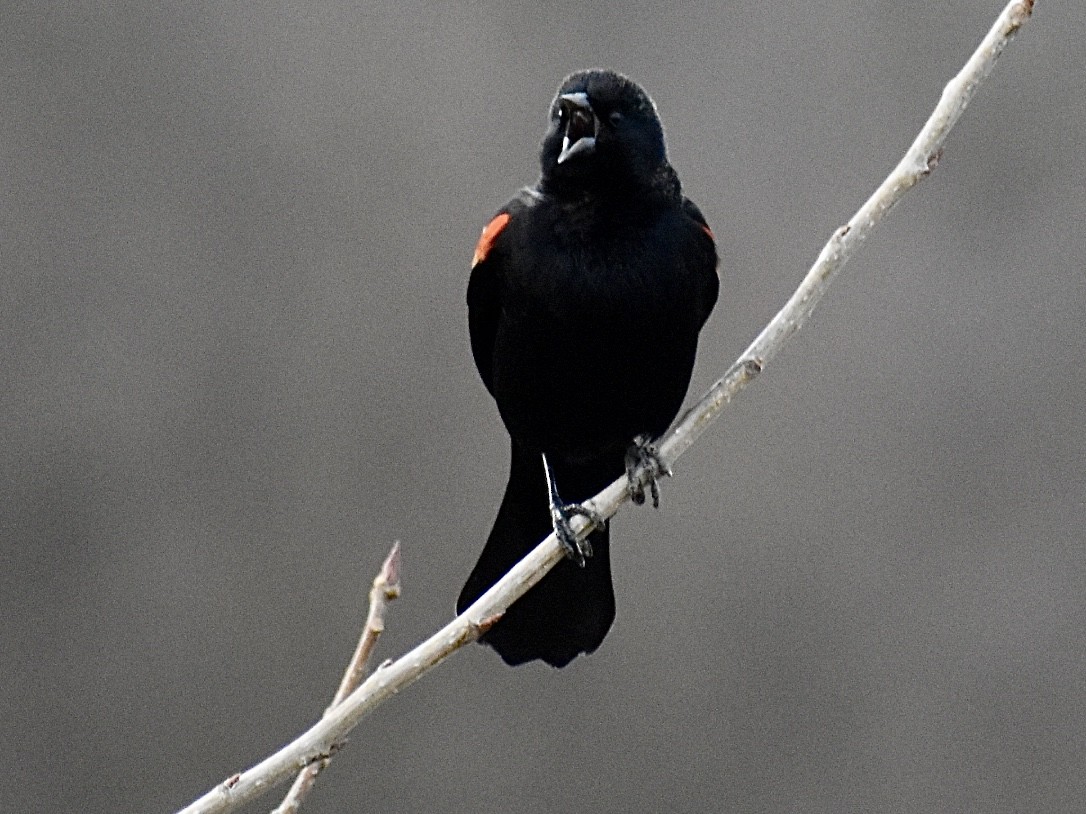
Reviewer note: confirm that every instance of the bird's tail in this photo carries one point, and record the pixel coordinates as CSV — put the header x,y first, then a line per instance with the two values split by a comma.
x,y
570,611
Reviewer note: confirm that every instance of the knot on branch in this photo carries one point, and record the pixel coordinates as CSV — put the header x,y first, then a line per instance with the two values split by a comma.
x,y
932,162
483,625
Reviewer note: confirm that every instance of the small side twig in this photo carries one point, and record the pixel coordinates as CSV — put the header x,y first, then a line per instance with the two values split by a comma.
x,y
386,587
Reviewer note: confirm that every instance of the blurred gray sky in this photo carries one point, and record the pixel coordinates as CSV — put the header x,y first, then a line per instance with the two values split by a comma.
x,y
233,251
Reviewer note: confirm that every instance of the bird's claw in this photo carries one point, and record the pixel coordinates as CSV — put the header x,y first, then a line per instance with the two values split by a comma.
x,y
576,549
644,467
561,515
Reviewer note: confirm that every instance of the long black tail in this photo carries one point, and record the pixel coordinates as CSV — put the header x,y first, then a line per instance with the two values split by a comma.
x,y
570,611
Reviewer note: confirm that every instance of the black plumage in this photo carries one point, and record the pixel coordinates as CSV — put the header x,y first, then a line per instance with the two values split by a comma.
x,y
585,301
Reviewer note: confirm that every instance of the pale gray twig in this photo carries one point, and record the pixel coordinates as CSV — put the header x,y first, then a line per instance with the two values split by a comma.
x,y
385,588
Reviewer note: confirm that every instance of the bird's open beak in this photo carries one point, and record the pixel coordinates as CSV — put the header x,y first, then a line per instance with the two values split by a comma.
x,y
582,127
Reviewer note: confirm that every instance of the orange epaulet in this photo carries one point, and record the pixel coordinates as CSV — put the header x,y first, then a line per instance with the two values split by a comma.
x,y
487,238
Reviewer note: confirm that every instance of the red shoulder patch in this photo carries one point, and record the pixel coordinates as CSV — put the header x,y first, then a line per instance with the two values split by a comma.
x,y
487,238
708,231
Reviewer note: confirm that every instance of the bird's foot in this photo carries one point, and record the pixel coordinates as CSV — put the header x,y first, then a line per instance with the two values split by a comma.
x,y
561,516
577,549
644,467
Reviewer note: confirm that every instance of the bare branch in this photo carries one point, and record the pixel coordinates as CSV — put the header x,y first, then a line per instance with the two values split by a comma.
x,y
918,162
386,587
321,739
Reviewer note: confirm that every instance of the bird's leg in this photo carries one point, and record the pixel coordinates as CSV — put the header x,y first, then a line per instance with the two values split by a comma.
x,y
644,466
562,513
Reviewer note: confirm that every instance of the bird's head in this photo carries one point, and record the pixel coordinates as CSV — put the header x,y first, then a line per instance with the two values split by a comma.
x,y
603,131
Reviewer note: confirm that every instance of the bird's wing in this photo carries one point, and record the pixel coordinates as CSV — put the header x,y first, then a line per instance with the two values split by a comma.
x,y
484,285
708,276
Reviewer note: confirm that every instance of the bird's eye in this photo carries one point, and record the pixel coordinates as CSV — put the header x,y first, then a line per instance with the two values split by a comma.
x,y
563,115
615,117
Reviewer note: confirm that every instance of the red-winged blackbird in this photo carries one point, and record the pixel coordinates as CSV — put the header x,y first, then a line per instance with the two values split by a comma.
x,y
586,297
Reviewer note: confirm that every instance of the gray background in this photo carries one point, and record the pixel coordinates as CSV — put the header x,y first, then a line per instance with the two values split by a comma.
x,y
235,367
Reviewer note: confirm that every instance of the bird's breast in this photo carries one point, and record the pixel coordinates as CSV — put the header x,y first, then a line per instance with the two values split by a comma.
x,y
586,326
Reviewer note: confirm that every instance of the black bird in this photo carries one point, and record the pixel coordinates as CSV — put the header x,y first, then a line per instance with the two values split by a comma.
x,y
586,297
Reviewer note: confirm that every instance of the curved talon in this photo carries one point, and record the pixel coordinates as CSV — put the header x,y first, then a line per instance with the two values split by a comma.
x,y
644,466
561,513
577,550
